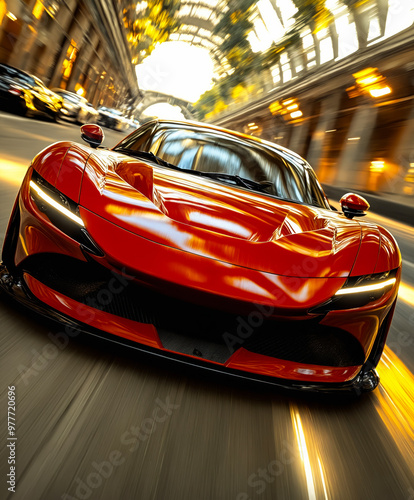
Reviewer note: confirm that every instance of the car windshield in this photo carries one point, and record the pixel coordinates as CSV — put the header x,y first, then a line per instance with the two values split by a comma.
x,y
16,75
70,97
111,110
229,159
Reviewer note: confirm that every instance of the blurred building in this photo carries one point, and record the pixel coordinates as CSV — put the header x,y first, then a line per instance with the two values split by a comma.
x,y
76,45
342,96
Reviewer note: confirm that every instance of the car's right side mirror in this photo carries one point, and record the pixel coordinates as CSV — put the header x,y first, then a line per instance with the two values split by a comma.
x,y
353,205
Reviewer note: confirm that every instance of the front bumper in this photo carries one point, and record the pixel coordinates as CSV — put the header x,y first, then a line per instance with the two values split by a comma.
x,y
364,379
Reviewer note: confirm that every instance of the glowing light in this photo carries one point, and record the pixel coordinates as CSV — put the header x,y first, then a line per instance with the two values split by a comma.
x,y
292,107
366,288
300,436
11,16
380,92
80,91
323,479
38,9
377,166
56,205
394,403
367,81
275,107
296,114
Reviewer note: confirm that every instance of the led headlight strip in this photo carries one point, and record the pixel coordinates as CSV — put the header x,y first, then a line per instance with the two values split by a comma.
x,y
366,288
55,204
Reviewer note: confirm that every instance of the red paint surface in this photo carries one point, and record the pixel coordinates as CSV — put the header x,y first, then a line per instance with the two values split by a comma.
x,y
265,365
354,202
93,131
209,243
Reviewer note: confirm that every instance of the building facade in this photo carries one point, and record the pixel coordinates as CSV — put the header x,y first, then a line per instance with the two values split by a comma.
x,y
77,45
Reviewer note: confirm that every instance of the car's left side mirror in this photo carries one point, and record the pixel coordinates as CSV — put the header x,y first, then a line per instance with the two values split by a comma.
x,y
353,205
92,134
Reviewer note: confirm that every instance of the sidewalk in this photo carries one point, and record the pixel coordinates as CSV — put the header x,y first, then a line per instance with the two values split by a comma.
x,y
397,207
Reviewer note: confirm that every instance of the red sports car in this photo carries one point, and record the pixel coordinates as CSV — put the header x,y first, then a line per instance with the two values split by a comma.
x,y
209,247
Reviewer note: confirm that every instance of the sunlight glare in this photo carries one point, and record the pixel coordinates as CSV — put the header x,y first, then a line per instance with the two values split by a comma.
x,y
178,69
164,111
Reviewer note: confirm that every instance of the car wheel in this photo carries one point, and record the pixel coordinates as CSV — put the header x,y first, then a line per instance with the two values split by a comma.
x,y
28,113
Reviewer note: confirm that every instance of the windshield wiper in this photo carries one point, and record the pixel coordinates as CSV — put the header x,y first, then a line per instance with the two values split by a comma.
x,y
240,181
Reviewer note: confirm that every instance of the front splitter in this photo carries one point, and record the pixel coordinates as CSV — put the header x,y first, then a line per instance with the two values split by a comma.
x,y
14,286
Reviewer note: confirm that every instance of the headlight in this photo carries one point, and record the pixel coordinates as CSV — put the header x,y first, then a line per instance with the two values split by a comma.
x,y
367,284
62,212
62,206
359,291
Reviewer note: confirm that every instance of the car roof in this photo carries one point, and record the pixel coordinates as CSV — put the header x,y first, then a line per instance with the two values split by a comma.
x,y
15,69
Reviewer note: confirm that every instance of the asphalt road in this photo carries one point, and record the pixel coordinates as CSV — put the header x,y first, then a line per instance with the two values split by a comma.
x,y
96,421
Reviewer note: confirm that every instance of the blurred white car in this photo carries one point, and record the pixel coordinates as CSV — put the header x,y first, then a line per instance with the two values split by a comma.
x,y
113,118
76,108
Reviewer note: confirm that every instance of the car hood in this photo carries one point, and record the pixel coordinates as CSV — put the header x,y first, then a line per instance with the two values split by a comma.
x,y
218,221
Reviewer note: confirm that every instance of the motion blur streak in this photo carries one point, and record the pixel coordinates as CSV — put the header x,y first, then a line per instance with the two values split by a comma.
x,y
300,436
406,293
12,172
395,403
323,479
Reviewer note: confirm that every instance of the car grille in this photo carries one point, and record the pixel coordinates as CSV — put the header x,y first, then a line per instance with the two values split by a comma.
x,y
191,328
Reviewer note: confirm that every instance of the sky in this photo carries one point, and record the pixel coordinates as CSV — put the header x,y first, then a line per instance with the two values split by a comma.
x,y
178,69
165,111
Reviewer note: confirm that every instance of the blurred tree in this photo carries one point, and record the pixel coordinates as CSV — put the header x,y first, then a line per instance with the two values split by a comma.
x,y
235,26
313,14
149,23
355,3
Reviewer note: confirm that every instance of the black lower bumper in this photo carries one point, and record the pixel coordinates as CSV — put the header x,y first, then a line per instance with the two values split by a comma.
x,y
14,286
